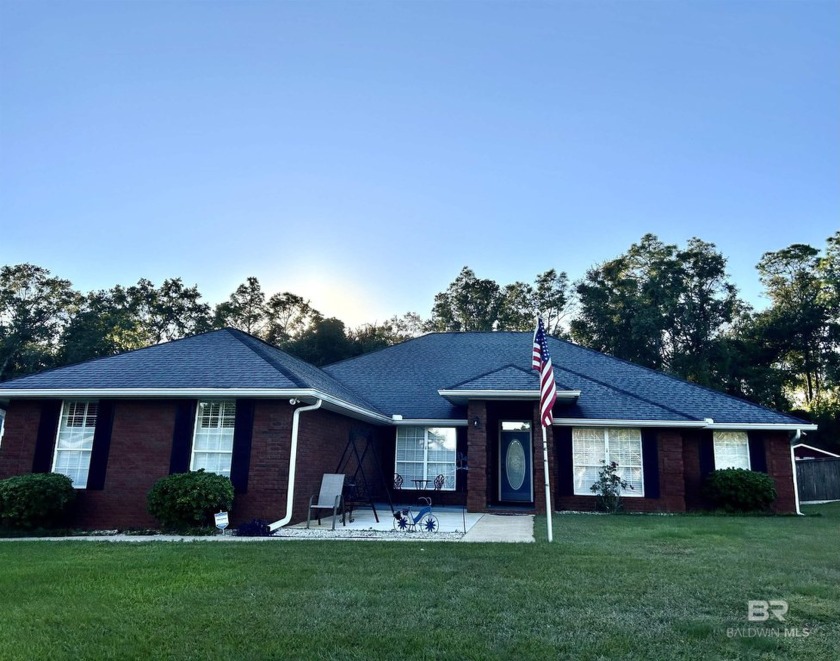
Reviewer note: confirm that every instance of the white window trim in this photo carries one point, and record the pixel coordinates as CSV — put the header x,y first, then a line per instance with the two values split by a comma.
x,y
57,449
407,484
629,493
196,427
746,436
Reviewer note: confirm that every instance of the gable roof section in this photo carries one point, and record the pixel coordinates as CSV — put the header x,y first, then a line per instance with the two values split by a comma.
x,y
509,382
509,377
223,360
404,379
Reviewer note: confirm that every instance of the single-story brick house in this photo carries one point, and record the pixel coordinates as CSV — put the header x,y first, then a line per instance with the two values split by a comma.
x,y
462,405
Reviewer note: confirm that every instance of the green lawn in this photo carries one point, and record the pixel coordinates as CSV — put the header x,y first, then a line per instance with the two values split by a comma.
x,y
658,587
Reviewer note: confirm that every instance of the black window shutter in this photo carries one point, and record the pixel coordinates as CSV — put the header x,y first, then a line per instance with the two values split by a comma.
x,y
758,456
563,457
650,462
182,436
101,445
243,428
707,453
47,431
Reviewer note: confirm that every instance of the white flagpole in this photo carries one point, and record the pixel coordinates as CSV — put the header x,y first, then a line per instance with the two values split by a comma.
x,y
545,459
547,486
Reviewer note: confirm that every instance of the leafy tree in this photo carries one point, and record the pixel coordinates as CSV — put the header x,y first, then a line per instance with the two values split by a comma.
x,y
102,326
288,317
169,312
245,309
551,298
34,309
659,306
474,304
799,322
323,343
122,319
406,327
468,304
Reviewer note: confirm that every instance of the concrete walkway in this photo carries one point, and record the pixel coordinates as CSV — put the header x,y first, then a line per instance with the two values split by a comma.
x,y
479,528
496,528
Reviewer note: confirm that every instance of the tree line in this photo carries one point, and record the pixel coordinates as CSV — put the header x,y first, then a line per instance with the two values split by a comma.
x,y
667,307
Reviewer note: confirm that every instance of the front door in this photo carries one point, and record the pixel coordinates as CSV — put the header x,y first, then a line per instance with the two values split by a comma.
x,y
516,461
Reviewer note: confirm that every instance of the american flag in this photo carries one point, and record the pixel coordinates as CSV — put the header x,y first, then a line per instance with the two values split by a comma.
x,y
541,361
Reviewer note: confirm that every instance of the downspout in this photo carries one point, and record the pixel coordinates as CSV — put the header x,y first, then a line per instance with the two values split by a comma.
x,y
795,438
290,494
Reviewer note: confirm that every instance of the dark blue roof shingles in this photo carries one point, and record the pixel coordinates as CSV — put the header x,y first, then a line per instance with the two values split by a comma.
x,y
226,358
405,379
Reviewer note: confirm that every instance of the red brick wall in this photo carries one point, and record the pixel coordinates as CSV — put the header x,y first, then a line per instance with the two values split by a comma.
x,y
141,444
777,455
539,472
18,446
477,475
268,474
671,483
322,439
777,447
140,450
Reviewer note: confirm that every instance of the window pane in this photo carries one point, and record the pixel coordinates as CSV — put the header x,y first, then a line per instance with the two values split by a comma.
x,y
213,437
423,453
594,447
732,449
74,442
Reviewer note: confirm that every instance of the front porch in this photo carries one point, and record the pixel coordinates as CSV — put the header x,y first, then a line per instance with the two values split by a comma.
x,y
455,525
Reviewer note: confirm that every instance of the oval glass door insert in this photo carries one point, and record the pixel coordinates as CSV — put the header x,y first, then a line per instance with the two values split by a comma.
x,y
515,465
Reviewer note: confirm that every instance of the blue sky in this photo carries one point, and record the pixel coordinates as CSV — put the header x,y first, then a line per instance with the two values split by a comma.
x,y
361,153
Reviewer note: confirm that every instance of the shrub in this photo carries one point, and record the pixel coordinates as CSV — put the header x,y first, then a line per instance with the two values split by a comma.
x,y
254,528
608,488
35,500
187,500
739,490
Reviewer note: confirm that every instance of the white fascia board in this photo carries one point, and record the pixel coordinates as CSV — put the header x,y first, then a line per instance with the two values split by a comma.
x,y
593,422
698,424
760,426
429,422
197,393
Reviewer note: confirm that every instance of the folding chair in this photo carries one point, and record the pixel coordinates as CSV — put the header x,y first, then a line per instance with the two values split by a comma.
x,y
330,498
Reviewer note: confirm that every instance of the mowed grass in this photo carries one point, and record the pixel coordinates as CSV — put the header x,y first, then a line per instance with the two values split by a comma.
x,y
658,587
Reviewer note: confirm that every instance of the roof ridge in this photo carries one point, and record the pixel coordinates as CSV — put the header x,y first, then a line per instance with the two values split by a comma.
x,y
262,352
488,373
628,393
263,349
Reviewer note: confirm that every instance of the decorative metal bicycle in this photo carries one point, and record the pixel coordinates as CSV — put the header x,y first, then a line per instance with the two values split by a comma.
x,y
405,520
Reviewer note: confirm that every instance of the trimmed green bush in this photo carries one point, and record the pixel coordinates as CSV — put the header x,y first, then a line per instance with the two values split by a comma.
x,y
739,490
37,500
187,500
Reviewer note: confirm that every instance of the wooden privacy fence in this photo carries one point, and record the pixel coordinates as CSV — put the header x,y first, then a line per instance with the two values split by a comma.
x,y
818,479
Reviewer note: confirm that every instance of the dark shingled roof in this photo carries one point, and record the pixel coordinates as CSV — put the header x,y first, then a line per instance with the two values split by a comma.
x,y
405,379
226,358
509,377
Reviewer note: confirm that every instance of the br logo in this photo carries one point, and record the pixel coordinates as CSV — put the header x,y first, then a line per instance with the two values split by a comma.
x,y
760,610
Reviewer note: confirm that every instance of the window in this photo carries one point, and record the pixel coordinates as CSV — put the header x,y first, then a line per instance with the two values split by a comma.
x,y
592,447
213,439
732,449
75,441
423,453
